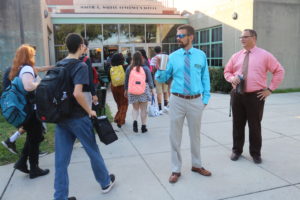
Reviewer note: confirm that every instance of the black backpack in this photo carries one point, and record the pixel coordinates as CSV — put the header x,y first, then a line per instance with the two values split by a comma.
x,y
54,95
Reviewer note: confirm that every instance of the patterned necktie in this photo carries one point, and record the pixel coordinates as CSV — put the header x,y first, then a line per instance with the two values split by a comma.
x,y
245,68
187,76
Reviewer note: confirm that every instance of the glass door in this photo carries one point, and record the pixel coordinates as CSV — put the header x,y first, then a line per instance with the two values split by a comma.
x,y
132,48
138,47
150,49
96,56
127,51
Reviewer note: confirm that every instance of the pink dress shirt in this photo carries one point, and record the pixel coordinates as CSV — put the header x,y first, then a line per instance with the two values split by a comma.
x,y
260,62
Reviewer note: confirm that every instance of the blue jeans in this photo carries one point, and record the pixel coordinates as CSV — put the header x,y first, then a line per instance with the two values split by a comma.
x,y
65,135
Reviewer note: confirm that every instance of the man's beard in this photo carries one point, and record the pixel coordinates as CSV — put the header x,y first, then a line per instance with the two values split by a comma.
x,y
182,45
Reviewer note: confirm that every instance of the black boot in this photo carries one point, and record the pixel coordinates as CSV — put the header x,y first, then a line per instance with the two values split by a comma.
x,y
135,126
21,165
144,129
36,172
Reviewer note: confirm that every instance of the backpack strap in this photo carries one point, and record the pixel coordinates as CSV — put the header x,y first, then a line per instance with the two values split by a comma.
x,y
85,58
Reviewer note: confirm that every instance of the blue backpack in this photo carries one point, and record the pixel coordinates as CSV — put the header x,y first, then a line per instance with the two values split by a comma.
x,y
13,103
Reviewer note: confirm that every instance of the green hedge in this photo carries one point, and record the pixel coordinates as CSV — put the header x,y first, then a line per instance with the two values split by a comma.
x,y
217,80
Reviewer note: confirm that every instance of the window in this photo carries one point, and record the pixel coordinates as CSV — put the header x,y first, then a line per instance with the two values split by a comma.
x,y
124,33
151,33
210,41
94,33
137,33
61,52
105,39
62,30
110,34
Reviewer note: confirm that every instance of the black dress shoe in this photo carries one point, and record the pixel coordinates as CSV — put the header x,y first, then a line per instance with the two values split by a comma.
x,y
36,172
235,156
22,167
257,159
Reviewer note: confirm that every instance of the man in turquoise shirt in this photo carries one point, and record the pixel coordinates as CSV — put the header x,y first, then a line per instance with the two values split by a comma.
x,y
190,88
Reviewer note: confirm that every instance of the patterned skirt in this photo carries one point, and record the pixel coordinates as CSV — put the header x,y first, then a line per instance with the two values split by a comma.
x,y
145,97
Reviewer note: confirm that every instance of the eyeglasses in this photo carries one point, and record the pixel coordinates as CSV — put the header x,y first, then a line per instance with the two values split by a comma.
x,y
245,37
180,36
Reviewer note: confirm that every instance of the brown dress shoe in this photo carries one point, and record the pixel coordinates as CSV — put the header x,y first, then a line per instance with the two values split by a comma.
x,y
201,171
174,177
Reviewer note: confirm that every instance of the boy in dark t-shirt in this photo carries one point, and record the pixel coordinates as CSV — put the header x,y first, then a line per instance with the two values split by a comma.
x,y
77,126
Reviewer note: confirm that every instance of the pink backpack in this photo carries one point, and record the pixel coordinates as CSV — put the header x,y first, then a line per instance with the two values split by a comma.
x,y
137,81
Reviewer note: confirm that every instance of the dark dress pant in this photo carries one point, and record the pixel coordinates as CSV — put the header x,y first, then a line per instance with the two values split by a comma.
x,y
247,108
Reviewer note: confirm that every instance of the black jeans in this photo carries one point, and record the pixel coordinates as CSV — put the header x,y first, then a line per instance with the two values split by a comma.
x,y
34,137
247,108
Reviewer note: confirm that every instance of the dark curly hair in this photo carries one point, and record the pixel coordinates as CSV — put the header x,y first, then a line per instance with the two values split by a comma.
x,y
117,59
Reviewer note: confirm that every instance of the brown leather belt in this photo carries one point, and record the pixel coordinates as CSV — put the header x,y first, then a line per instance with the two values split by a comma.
x,y
187,96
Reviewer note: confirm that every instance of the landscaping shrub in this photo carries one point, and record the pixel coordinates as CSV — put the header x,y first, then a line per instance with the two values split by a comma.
x,y
217,80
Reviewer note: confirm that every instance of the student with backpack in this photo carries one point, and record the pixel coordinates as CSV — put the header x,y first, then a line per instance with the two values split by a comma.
x,y
146,62
161,88
10,142
138,89
117,78
77,124
23,68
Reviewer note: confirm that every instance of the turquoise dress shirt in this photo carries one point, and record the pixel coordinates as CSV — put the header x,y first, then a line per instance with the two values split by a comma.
x,y
199,75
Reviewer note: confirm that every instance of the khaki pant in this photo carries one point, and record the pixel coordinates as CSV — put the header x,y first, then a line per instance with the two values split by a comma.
x,y
161,87
191,109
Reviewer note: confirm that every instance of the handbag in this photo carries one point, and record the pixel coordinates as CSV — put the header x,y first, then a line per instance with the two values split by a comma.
x,y
152,109
104,129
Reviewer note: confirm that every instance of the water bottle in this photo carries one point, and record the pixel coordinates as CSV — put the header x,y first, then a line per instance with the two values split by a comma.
x,y
64,96
240,86
163,62
241,77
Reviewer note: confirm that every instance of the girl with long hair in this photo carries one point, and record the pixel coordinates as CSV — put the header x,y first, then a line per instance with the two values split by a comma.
x,y
139,102
23,67
117,61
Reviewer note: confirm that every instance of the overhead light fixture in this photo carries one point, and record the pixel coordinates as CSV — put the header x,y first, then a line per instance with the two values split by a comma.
x,y
234,16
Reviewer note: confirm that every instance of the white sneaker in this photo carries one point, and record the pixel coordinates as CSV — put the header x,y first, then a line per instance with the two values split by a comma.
x,y
111,184
160,112
166,110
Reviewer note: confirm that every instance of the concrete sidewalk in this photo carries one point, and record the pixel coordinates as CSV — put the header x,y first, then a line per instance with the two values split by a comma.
x,y
141,162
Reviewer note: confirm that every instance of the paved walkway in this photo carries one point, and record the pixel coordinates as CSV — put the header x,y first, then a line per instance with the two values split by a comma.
x,y
141,162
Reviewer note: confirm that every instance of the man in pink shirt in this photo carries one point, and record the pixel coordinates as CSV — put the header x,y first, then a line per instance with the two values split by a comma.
x,y
247,72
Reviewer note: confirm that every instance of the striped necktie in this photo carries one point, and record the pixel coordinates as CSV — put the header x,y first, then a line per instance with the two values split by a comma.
x,y
187,76
245,68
